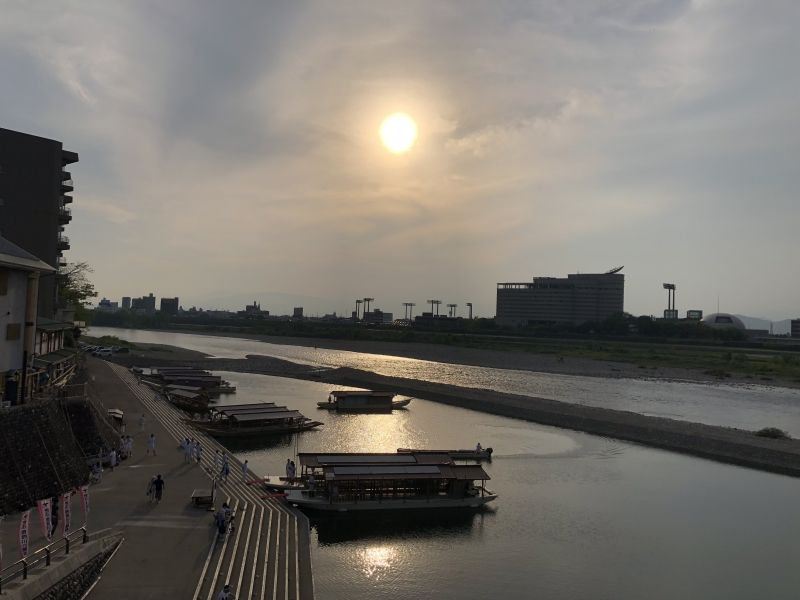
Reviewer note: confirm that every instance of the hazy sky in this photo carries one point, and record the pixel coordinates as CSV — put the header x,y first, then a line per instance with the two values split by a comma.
x,y
230,151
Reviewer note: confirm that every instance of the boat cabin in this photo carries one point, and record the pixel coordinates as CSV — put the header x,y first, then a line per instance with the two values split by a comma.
x,y
360,400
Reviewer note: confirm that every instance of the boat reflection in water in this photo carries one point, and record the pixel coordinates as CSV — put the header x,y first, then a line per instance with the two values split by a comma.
x,y
380,526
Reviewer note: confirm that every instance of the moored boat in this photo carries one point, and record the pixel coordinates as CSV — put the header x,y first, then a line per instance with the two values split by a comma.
x,y
250,420
473,454
362,401
357,482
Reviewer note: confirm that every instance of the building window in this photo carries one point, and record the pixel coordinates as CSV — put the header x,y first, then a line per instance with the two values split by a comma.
x,y
13,331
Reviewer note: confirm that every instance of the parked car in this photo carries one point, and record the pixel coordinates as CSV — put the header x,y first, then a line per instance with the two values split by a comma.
x,y
103,352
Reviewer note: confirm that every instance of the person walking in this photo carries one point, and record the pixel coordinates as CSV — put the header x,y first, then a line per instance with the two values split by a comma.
x,y
151,444
187,451
245,467
151,488
217,461
288,468
158,484
112,459
292,472
198,452
130,446
225,594
141,423
226,469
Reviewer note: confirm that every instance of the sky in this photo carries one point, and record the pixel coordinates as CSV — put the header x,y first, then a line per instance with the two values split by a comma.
x,y
229,152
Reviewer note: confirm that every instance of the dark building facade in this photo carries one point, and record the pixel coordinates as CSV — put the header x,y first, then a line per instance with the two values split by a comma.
x,y
34,202
575,299
169,306
795,330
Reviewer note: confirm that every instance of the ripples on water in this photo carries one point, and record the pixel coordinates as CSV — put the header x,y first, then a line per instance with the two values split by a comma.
x,y
578,516
749,407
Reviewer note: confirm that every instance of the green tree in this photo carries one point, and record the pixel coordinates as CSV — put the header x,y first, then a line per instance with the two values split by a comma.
x,y
74,287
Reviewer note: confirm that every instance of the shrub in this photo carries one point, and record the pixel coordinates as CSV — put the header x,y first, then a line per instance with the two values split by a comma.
x,y
773,433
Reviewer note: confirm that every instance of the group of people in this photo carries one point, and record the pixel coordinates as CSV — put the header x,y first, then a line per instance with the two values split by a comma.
x,y
155,488
192,450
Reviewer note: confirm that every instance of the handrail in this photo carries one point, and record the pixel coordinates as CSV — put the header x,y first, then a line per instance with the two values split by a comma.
x,y
36,557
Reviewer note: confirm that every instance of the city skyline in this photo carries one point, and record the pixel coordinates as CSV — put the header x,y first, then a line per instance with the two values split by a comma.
x,y
236,155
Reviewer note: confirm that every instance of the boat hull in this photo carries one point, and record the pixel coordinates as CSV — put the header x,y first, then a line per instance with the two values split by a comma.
x,y
248,432
302,500
454,454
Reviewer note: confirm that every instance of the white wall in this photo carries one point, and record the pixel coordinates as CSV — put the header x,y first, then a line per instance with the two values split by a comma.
x,y
13,302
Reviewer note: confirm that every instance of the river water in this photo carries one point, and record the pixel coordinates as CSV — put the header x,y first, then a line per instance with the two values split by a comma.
x,y
578,516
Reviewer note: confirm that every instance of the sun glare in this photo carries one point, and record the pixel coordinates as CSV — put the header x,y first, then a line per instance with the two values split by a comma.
x,y
398,133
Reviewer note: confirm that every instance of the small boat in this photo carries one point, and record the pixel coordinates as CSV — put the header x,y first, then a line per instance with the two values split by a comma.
x,y
250,420
362,401
343,482
191,402
279,482
473,454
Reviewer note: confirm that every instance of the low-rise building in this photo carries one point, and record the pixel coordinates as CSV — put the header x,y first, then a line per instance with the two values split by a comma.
x,y
795,330
19,288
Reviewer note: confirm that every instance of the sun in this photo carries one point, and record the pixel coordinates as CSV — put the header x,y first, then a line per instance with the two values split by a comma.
x,y
398,133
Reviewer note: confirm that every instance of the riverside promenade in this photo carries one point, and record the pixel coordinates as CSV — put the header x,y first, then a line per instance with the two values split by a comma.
x,y
171,549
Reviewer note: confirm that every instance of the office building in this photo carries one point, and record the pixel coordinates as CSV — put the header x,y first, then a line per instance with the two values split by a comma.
x,y
169,306
34,194
144,305
574,299
795,331
126,303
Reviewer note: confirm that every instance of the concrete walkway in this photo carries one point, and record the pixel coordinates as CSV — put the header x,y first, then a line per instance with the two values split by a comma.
x,y
171,549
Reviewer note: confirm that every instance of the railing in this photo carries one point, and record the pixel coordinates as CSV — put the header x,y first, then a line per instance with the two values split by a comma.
x,y
23,565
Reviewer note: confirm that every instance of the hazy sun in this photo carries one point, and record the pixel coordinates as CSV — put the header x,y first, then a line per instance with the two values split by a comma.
x,y
398,132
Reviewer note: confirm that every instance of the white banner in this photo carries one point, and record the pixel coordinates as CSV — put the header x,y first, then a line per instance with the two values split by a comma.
x,y
66,511
24,526
84,489
45,516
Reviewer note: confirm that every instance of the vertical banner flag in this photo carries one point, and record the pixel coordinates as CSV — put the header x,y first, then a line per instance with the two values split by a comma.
x,y
24,525
85,501
66,511
45,516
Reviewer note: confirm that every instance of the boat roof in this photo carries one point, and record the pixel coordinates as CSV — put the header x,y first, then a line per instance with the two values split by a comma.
x,y
247,408
185,388
345,393
315,460
270,416
191,376
457,472
185,394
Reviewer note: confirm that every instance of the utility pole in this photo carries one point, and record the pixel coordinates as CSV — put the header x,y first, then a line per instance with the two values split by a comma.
x,y
451,310
437,303
469,306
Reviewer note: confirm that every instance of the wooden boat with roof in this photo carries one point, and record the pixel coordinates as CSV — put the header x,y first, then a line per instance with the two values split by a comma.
x,y
362,401
473,454
355,482
252,420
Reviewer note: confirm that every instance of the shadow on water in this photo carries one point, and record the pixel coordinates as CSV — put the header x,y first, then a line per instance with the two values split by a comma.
x,y
400,524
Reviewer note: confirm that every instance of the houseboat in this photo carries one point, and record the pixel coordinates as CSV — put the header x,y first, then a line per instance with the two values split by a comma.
x,y
191,402
352,482
362,401
252,420
478,454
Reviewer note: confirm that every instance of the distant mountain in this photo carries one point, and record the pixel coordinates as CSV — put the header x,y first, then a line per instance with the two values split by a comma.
x,y
778,327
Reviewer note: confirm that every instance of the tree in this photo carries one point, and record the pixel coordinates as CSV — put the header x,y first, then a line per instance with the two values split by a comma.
x,y
74,287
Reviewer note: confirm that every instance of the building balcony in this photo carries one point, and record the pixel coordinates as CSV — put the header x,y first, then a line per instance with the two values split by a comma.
x,y
63,243
65,175
66,199
64,215
66,186
68,157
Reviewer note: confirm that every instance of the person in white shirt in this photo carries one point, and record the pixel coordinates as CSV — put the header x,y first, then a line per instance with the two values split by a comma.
x,y
225,594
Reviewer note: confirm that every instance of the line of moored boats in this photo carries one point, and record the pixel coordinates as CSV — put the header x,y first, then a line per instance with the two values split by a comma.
x,y
407,478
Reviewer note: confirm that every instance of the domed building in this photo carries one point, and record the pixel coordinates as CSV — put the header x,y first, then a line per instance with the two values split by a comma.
x,y
722,320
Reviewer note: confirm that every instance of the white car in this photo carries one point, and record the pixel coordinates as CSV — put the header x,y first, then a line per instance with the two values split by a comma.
x,y
103,352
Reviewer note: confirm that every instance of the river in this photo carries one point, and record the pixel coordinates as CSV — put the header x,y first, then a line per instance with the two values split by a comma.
x,y
578,516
